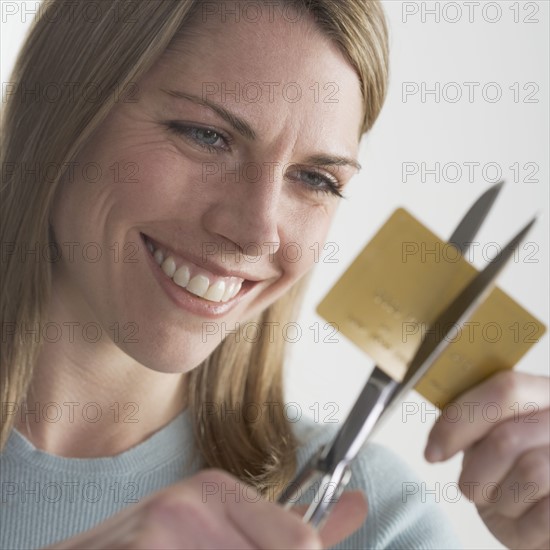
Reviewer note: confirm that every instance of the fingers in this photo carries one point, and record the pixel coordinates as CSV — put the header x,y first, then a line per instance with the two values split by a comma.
x,y
527,482
476,412
111,533
489,461
503,427
529,531
257,522
268,525
348,515
195,513
184,522
525,533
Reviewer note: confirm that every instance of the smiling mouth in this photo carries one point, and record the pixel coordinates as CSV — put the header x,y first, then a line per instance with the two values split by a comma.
x,y
194,279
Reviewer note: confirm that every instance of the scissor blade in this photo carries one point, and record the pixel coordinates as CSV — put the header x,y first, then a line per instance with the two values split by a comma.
x,y
472,220
360,421
456,314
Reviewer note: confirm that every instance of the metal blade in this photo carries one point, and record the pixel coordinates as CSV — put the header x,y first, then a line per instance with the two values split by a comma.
x,y
360,421
472,220
456,314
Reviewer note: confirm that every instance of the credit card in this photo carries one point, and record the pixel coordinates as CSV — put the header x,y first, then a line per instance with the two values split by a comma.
x,y
388,298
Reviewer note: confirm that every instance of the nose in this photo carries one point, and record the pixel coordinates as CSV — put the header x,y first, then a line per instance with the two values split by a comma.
x,y
246,210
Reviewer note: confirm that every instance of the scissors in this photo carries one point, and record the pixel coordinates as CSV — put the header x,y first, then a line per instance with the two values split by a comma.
x,y
330,466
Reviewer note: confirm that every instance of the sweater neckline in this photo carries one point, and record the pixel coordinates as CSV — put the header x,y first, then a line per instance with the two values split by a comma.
x,y
167,444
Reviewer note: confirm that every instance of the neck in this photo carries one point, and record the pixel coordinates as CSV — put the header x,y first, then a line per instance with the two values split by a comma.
x,y
90,399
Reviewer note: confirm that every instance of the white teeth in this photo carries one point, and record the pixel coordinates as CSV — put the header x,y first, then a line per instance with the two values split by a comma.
x,y
228,292
231,291
169,266
198,285
181,276
236,290
215,292
159,256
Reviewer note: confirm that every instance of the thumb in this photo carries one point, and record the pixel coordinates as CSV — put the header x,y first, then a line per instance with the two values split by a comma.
x,y
345,517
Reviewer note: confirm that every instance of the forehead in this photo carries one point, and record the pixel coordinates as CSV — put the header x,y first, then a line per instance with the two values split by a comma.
x,y
276,65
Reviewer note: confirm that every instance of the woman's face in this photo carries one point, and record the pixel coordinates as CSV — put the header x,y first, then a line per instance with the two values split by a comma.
x,y
226,163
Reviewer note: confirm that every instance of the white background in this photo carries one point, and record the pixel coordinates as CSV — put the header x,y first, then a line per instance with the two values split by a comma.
x,y
504,132
490,42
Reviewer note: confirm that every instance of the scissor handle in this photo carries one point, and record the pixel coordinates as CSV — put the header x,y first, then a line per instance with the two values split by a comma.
x,y
330,485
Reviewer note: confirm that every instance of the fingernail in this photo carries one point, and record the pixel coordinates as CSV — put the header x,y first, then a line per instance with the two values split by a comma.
x,y
433,452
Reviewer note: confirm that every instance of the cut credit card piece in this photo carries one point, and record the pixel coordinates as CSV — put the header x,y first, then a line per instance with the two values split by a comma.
x,y
388,298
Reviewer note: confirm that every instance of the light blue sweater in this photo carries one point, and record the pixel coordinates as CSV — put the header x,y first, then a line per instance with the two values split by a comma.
x,y
46,498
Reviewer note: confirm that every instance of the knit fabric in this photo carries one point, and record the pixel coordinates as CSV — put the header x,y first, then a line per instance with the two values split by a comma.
x,y
47,498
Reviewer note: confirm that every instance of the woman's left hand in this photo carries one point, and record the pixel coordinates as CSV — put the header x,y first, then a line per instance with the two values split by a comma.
x,y
503,427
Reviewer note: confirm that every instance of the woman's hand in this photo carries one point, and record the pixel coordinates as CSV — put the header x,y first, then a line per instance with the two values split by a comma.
x,y
186,516
503,427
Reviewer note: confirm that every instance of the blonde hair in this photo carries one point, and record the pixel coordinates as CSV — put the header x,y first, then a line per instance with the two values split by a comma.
x,y
113,52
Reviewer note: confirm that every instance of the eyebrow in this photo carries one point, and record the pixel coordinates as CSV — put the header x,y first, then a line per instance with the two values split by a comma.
x,y
241,126
334,160
238,123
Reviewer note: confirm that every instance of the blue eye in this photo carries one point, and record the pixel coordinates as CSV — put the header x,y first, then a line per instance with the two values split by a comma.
x,y
208,139
203,135
315,179
320,183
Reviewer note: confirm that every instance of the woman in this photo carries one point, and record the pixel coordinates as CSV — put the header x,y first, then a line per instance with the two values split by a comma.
x,y
188,145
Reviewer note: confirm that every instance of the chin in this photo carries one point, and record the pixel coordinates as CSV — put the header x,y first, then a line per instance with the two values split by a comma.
x,y
176,355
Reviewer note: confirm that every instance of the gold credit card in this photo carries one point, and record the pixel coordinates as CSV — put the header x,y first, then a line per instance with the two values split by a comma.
x,y
395,289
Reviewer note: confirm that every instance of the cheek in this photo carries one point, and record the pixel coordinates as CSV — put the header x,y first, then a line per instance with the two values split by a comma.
x,y
146,180
303,237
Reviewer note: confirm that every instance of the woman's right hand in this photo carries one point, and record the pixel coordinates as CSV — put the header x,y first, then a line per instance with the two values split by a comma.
x,y
186,516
